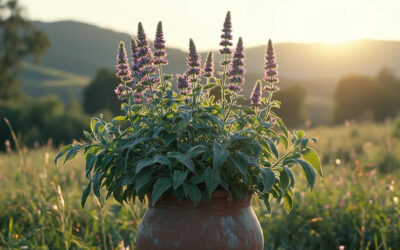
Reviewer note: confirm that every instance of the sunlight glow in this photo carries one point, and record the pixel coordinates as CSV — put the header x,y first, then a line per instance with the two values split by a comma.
x,y
255,20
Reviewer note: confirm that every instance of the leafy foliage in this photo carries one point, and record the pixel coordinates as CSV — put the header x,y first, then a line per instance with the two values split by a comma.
x,y
188,145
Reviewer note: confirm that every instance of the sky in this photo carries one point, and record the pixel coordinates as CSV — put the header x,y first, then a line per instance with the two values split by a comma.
x,y
256,21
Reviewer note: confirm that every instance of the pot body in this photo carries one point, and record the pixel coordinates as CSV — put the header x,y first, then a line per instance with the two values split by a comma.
x,y
218,224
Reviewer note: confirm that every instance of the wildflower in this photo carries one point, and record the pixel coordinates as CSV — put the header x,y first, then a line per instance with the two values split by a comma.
x,y
121,90
134,61
256,94
342,204
123,72
327,207
396,200
209,66
271,73
183,82
226,37
159,46
236,70
341,247
144,56
193,61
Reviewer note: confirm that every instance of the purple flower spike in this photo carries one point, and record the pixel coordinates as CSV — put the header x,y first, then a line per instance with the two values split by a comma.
x,y
271,73
209,66
159,46
193,62
122,65
183,82
144,57
226,35
141,35
236,69
256,94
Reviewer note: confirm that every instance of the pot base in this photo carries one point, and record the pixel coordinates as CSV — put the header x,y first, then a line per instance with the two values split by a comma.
x,y
219,224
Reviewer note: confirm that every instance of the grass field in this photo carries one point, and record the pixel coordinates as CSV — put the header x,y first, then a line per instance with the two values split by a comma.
x,y
356,204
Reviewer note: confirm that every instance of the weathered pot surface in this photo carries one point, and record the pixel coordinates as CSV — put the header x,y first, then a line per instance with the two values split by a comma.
x,y
218,224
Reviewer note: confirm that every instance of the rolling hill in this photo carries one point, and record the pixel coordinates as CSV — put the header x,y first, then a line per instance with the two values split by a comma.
x,y
78,49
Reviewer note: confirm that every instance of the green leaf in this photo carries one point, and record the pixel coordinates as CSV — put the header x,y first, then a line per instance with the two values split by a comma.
x,y
143,178
313,158
97,178
309,172
196,151
179,178
288,200
300,134
247,110
268,178
220,154
143,163
118,119
284,180
62,152
72,153
161,185
282,126
265,198
193,192
284,141
290,175
273,148
239,160
90,162
209,86
85,194
158,158
212,178
186,161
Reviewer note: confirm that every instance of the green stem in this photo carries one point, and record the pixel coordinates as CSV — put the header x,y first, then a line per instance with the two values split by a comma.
x,y
283,157
223,85
269,105
230,107
129,108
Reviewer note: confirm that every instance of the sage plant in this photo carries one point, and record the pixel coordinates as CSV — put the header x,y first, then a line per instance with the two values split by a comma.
x,y
181,142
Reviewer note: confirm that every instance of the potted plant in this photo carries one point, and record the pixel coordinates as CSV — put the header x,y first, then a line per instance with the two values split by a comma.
x,y
198,160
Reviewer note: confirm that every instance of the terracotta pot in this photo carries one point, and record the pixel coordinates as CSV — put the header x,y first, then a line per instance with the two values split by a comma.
x,y
218,224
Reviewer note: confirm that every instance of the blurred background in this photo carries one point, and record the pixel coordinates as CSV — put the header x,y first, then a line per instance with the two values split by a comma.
x,y
339,70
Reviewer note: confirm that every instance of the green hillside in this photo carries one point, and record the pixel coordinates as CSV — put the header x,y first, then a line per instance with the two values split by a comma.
x,y
78,49
37,80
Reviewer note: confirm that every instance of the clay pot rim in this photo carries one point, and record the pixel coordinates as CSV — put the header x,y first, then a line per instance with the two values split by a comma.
x,y
219,200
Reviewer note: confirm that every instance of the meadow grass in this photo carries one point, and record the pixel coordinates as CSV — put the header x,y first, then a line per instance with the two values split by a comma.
x,y
355,205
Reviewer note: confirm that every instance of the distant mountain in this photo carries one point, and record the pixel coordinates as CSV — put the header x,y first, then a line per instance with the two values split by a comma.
x,y
78,49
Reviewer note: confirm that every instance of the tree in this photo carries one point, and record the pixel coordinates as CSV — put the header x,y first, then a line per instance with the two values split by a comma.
x,y
99,94
292,107
361,97
18,40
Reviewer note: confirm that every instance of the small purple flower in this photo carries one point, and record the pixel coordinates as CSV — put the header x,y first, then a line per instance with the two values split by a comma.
x,y
256,94
159,46
209,66
226,35
183,82
236,69
271,73
234,87
121,90
193,62
122,65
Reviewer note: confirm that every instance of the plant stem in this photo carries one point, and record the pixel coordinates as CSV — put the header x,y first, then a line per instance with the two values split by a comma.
x,y
283,157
